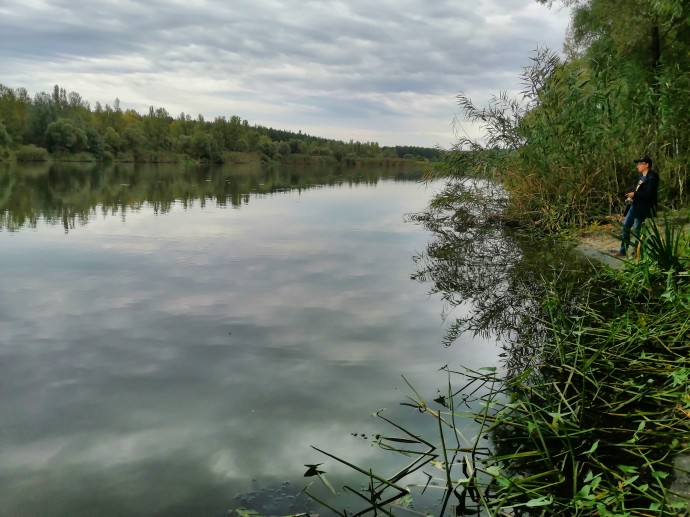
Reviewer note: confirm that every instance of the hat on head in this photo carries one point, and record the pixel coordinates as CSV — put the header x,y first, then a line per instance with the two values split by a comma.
x,y
645,159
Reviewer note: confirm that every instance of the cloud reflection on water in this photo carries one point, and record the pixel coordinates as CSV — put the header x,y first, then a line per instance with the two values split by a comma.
x,y
168,360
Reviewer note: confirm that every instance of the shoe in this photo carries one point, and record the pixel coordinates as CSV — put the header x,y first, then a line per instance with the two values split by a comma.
x,y
618,253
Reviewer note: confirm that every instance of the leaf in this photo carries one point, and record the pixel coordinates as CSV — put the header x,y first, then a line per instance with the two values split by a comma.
x,y
493,470
540,501
312,470
593,448
630,480
584,492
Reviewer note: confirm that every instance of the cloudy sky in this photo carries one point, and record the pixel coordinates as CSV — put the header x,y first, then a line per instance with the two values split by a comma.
x,y
370,70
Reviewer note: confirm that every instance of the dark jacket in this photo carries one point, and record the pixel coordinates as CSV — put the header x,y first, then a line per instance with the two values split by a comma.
x,y
646,195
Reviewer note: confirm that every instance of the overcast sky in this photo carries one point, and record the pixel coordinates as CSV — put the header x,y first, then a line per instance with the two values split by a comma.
x,y
370,70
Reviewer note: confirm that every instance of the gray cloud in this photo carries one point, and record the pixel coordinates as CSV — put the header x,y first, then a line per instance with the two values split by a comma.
x,y
289,64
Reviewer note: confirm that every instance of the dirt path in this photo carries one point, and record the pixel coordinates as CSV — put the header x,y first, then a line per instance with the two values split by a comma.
x,y
597,243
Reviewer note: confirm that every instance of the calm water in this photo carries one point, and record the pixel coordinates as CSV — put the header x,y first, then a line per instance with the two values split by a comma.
x,y
173,340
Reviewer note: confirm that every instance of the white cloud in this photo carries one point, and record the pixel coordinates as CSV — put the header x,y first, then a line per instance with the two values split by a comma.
x,y
385,72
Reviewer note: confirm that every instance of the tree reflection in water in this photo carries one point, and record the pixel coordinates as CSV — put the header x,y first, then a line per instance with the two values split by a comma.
x,y
587,408
70,194
491,277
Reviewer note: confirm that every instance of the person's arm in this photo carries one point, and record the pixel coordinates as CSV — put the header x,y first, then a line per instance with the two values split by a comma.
x,y
647,191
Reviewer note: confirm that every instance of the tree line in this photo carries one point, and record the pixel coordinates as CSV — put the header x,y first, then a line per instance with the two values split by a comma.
x,y
564,146
64,124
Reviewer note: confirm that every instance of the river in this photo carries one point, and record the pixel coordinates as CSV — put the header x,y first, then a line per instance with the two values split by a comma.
x,y
173,339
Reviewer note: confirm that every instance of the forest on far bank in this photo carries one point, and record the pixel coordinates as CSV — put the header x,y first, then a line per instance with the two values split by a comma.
x,y
62,125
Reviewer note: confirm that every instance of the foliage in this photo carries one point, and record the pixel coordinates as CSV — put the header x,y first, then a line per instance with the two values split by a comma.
x,y
564,146
5,138
31,153
64,123
63,135
667,248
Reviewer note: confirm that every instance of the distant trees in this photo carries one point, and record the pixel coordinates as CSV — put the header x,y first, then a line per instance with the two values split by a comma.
x,y
63,122
5,138
111,140
63,135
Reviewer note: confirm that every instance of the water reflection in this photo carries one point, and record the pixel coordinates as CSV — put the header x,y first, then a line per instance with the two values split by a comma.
x,y
169,353
490,280
490,277
71,193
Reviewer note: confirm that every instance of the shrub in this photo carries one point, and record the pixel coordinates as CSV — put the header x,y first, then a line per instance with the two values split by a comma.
x,y
31,153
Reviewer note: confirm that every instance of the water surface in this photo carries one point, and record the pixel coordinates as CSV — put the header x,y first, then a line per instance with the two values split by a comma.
x,y
172,340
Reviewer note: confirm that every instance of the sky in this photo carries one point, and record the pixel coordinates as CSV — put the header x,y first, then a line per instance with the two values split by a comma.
x,y
385,71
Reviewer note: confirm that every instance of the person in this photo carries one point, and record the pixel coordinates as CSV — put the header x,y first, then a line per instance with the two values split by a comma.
x,y
641,202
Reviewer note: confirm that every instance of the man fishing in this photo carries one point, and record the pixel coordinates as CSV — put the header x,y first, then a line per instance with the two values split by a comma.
x,y
641,201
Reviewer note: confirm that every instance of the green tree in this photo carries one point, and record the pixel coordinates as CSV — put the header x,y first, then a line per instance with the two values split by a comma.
x,y
284,148
241,145
94,141
41,114
5,138
564,146
111,140
63,135
133,137
267,147
156,126
201,145
14,105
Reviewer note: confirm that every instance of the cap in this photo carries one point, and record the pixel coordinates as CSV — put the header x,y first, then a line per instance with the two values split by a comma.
x,y
645,159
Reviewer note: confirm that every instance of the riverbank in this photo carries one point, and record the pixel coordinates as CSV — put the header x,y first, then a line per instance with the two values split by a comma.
x,y
598,241
597,244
